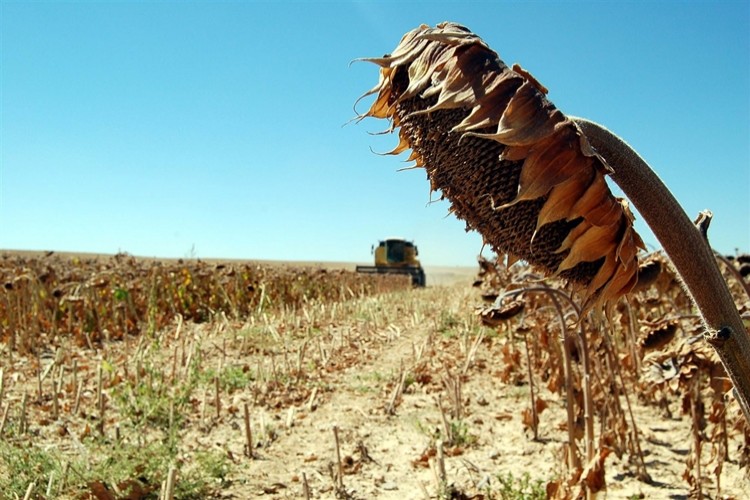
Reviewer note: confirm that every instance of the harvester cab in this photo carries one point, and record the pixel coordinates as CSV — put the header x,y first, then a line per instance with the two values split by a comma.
x,y
396,256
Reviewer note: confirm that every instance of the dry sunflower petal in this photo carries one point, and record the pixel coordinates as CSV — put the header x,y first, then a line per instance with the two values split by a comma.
x,y
512,165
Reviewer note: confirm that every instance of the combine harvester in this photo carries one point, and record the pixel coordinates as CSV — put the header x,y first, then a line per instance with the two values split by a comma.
x,y
396,256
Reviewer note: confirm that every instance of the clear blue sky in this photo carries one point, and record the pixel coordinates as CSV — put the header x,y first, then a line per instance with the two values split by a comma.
x,y
216,129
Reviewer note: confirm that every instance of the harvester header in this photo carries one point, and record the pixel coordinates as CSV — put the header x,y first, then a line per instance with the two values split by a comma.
x,y
396,256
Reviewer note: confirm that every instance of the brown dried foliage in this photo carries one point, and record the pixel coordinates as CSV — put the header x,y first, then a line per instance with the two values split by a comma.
x,y
95,299
667,365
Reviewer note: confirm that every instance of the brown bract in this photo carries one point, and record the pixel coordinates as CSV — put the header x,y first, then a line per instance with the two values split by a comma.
x,y
512,165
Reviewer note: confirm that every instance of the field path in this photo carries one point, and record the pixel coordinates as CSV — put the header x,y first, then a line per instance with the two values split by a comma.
x,y
392,456
388,455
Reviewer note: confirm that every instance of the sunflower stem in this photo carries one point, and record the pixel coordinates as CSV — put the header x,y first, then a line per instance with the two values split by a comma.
x,y
690,253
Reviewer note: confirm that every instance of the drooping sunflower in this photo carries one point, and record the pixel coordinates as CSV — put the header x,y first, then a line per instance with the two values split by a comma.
x,y
513,166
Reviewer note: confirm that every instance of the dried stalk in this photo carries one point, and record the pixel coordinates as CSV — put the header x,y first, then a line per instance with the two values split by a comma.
x,y
171,477
447,430
173,375
171,414
588,406
99,386
615,367
452,386
55,404
4,420
217,397
48,491
442,475
631,336
574,461
29,491
534,415
472,352
23,425
690,254
77,402
305,487
60,379
390,408
100,400
39,384
75,373
588,403
248,434
311,405
694,401
339,466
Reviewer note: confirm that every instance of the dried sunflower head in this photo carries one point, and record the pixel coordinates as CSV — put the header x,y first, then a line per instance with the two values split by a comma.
x,y
513,166
658,336
648,273
497,314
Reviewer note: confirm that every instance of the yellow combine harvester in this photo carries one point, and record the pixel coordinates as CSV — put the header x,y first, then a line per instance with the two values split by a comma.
x,y
396,256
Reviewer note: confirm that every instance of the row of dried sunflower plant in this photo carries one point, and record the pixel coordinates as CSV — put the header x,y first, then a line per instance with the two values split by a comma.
x,y
648,348
108,298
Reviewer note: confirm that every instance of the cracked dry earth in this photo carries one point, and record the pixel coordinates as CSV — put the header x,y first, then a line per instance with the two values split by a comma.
x,y
385,435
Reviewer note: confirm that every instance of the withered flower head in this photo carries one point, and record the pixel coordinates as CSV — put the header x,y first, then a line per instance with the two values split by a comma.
x,y
659,336
496,315
513,166
648,272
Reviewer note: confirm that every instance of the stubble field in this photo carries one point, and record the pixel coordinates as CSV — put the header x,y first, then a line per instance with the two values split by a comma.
x,y
127,378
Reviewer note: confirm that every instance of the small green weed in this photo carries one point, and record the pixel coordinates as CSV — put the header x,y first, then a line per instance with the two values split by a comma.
x,y
149,462
367,383
460,435
22,463
523,488
447,323
153,400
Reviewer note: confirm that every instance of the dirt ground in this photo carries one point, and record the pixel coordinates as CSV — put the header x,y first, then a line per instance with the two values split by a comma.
x,y
386,455
378,376
396,444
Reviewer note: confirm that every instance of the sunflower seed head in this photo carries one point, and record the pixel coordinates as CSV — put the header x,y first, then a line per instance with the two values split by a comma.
x,y
659,336
512,165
